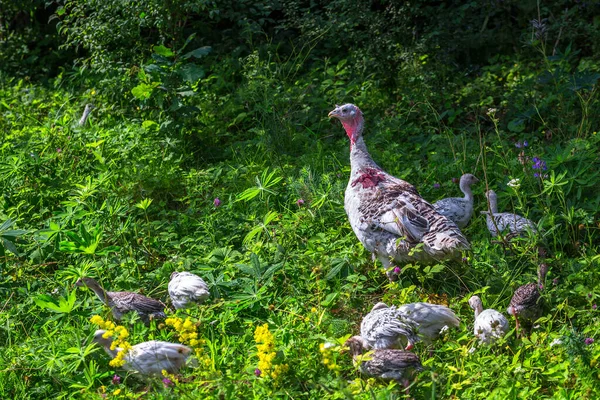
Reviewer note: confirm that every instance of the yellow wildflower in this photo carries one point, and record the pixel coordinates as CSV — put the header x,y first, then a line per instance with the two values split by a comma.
x,y
328,351
187,334
265,345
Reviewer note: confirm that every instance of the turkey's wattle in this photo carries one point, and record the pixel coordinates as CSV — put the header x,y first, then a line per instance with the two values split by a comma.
x,y
370,178
387,214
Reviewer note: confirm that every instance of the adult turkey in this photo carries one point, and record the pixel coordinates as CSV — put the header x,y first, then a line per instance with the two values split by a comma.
x,y
388,327
489,325
186,288
148,358
387,364
515,224
387,214
121,303
526,303
459,209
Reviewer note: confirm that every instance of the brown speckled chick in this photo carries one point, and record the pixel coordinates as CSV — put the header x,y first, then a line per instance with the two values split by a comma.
x,y
525,304
121,303
386,364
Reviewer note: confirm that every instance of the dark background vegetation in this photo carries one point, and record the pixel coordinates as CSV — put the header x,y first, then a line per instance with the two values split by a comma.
x,y
201,99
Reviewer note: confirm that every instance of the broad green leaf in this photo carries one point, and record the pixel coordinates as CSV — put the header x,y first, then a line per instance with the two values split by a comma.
x,y
199,52
163,51
142,91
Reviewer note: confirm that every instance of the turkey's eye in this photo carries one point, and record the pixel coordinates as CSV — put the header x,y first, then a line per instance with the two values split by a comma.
x,y
344,110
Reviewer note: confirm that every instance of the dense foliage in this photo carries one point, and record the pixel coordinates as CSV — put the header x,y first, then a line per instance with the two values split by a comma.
x,y
209,150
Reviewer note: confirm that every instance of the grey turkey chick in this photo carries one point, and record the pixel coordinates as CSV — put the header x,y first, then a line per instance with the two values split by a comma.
x,y
459,209
186,288
121,303
515,224
387,364
526,303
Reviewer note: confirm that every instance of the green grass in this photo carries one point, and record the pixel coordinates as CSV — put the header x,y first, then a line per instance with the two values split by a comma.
x,y
128,199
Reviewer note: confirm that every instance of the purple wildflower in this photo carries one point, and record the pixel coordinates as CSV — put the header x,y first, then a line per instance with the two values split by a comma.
x,y
465,259
300,202
525,143
455,180
167,382
538,163
217,202
518,145
594,306
589,341
59,150
555,281
589,295
397,270
437,186
116,380
257,372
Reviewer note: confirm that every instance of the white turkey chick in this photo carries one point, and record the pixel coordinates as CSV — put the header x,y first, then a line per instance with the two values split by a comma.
x,y
186,288
431,319
489,325
148,358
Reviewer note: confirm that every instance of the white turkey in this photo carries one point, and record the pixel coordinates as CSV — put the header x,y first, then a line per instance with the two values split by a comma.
x,y
186,288
387,327
387,214
499,222
526,303
121,303
387,364
148,358
490,325
459,209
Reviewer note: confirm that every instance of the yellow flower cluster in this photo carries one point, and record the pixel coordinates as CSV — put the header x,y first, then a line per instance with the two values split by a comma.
x,y
265,344
328,352
119,334
187,334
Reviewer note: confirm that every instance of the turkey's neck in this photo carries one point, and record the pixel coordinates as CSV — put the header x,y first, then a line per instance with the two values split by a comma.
x,y
360,157
86,114
112,353
100,292
493,204
466,189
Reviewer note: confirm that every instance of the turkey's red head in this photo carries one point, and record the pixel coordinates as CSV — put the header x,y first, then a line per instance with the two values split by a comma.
x,y
351,118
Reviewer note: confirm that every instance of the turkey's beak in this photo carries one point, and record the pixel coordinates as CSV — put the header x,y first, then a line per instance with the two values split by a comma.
x,y
409,346
333,114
